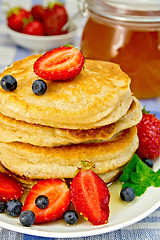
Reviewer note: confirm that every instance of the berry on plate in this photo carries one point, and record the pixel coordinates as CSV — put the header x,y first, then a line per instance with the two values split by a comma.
x,y
14,207
70,217
15,18
27,218
90,197
2,206
127,194
10,188
54,18
58,195
149,136
148,162
61,63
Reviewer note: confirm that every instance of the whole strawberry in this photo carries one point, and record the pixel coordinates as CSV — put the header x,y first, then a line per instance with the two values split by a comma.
x,y
15,18
54,18
149,136
37,12
34,28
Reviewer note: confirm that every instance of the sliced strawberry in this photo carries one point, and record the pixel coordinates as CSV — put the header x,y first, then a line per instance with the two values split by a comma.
x,y
10,188
59,200
90,197
61,63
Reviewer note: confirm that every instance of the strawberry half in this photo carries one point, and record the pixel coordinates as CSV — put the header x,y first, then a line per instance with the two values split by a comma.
x,y
149,136
61,63
90,197
59,200
10,188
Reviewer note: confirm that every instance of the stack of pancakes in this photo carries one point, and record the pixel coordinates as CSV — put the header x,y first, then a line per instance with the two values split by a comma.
x,y
90,118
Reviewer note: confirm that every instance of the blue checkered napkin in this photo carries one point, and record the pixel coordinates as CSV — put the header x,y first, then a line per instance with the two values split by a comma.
x,y
146,229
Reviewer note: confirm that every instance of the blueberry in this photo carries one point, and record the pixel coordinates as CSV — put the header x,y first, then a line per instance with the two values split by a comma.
x,y
127,194
148,162
70,217
39,87
8,83
2,206
14,207
42,201
27,218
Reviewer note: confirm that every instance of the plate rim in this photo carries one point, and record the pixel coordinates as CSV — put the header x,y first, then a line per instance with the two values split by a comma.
x,y
103,230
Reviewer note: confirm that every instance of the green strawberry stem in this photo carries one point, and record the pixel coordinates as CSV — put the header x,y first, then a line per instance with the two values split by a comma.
x,y
53,3
145,111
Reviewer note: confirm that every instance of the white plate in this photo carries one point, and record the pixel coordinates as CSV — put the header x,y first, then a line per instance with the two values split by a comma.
x,y
121,215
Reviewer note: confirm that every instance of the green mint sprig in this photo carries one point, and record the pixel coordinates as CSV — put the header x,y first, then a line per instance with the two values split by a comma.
x,y
139,176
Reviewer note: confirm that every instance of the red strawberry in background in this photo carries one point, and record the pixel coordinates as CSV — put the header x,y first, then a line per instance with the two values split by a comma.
x,y
10,188
149,136
55,16
58,195
34,28
37,12
90,197
15,18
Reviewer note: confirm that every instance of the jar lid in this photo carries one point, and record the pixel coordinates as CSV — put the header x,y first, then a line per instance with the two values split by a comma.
x,y
127,10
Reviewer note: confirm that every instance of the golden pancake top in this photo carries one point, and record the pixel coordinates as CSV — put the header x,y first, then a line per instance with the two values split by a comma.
x,y
99,95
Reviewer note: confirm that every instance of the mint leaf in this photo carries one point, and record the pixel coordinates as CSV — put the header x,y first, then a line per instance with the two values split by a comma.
x,y
139,190
131,167
156,182
143,170
139,176
124,177
141,180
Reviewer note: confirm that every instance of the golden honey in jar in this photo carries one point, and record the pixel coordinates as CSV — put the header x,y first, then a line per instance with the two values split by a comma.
x,y
127,33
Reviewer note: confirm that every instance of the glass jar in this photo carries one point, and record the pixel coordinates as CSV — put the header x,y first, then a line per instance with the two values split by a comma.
x,y
127,33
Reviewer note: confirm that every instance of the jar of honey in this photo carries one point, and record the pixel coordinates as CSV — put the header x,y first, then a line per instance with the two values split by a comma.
x,y
127,33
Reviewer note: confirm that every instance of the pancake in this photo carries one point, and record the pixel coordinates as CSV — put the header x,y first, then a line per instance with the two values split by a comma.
x,y
98,96
35,162
12,130
28,183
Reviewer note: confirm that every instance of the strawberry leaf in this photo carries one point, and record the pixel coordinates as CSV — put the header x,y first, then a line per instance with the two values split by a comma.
x,y
53,3
145,111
